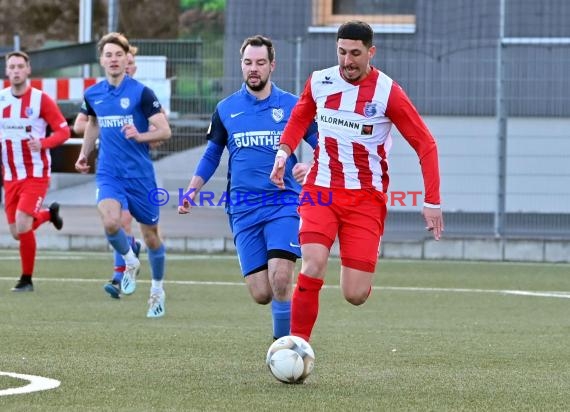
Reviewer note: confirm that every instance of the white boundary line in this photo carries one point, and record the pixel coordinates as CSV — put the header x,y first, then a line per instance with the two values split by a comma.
x,y
9,254
36,383
78,255
544,294
108,255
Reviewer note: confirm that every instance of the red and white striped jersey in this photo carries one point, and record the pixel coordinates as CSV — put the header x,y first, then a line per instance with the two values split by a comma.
x,y
62,88
354,122
23,117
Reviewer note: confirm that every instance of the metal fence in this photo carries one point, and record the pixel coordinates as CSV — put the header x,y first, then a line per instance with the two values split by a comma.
x,y
194,88
489,78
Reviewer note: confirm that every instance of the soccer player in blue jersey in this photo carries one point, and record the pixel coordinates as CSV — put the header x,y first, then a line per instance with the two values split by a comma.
x,y
264,221
121,112
113,287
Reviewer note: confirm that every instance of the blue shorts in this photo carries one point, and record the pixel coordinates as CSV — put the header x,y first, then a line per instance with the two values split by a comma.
x,y
263,230
132,194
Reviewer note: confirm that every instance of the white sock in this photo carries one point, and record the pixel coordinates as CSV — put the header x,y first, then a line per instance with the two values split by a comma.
x,y
156,287
130,257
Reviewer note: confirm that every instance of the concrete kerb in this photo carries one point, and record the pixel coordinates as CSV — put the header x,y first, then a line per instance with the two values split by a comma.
x,y
519,250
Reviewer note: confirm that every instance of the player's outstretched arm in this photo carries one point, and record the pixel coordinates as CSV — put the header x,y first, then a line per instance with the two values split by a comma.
x,y
156,144
300,170
82,164
187,199
278,171
158,131
34,144
160,128
80,123
60,131
88,145
204,171
434,221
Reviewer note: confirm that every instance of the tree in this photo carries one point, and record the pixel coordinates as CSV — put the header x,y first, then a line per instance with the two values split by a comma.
x,y
36,21
149,19
204,5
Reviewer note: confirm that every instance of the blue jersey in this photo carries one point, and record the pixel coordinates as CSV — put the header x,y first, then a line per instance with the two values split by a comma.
x,y
251,130
129,103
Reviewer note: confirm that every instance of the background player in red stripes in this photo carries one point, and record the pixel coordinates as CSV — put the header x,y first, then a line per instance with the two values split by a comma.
x,y
355,105
25,115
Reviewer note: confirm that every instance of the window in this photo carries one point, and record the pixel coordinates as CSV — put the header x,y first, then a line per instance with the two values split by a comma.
x,y
383,15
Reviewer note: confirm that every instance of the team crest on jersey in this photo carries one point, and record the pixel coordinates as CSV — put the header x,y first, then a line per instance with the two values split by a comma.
x,y
370,109
277,114
29,111
125,102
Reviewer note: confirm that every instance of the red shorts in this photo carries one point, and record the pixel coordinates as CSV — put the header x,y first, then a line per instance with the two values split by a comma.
x,y
26,195
356,216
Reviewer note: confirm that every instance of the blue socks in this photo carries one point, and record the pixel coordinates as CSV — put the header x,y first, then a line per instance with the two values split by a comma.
x,y
122,243
119,241
281,313
157,258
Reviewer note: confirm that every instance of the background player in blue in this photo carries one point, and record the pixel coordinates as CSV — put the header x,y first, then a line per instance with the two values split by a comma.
x,y
120,110
264,221
113,287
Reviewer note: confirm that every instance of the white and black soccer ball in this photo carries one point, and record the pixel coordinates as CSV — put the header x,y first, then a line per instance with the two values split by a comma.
x,y
290,359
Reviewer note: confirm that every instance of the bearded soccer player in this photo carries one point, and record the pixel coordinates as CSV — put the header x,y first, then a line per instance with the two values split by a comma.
x,y
25,115
263,219
355,105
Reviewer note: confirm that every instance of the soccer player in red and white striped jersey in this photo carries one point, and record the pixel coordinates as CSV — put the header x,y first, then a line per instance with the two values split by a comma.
x,y
25,115
344,194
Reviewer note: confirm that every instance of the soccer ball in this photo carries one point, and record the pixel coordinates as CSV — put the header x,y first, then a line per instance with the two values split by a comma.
x,y
290,359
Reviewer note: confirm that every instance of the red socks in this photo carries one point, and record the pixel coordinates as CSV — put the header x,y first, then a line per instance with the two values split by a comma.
x,y
28,251
305,306
40,218
28,242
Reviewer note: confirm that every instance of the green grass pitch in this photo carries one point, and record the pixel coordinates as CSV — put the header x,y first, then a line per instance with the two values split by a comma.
x,y
437,336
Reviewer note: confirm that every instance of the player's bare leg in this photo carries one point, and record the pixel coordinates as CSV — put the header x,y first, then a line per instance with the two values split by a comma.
x,y
259,287
355,285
